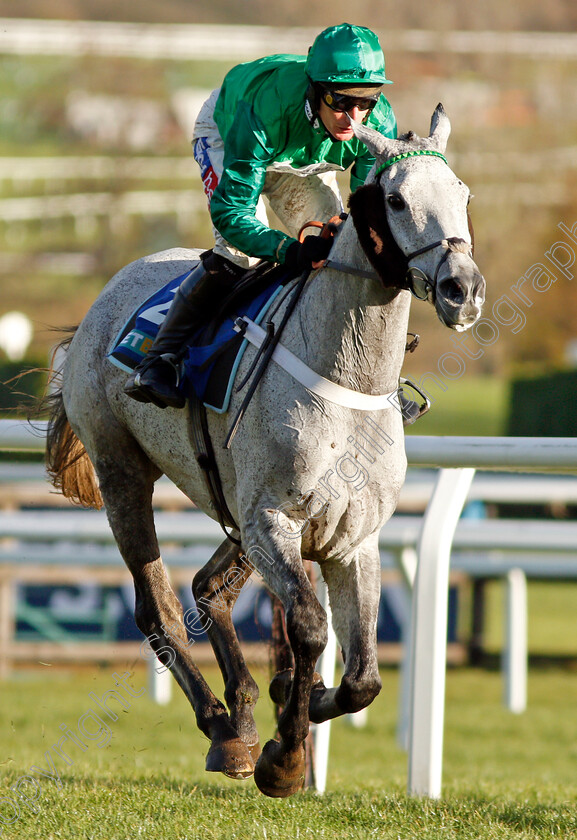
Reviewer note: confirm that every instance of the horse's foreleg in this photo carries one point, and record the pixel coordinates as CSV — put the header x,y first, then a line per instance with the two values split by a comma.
x,y
216,587
280,768
127,492
354,594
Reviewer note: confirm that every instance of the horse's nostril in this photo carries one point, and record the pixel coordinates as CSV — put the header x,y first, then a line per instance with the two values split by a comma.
x,y
480,288
451,289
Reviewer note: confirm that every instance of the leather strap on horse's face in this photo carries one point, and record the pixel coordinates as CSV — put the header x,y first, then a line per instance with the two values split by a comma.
x,y
422,286
369,211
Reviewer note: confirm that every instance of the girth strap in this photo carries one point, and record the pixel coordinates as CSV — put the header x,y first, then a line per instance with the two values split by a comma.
x,y
314,382
204,453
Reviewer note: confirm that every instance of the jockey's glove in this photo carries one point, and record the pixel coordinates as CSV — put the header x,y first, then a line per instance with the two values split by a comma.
x,y
300,256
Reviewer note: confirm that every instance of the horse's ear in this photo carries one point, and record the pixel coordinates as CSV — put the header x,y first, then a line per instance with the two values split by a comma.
x,y
440,128
376,143
367,206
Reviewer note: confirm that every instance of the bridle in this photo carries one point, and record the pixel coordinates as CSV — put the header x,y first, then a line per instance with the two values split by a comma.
x,y
419,283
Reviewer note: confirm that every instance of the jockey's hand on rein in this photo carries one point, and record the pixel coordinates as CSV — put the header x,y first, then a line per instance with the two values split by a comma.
x,y
301,255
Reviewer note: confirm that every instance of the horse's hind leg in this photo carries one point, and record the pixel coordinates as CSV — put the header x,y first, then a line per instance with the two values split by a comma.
x,y
216,587
126,485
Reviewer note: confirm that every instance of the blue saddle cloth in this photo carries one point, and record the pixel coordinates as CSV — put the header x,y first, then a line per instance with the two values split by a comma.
x,y
209,370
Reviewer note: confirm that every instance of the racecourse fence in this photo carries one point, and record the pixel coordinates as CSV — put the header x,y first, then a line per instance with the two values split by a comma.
x,y
194,42
422,547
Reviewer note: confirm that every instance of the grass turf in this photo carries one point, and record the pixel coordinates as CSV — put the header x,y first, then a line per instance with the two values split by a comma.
x,y
504,775
474,405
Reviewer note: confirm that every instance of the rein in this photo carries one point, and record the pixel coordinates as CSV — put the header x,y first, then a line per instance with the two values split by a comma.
x,y
350,269
264,355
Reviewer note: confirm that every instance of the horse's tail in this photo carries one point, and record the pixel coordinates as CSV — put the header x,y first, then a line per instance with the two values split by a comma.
x,y
67,462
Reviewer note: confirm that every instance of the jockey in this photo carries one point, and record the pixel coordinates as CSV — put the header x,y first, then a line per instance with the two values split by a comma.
x,y
278,127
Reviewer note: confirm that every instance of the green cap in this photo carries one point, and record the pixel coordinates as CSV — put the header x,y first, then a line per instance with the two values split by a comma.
x,y
347,54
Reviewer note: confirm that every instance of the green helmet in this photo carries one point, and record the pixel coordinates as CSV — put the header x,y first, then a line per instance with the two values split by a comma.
x,y
347,54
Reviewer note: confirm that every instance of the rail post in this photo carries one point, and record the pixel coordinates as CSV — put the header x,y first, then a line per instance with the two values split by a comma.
x,y
429,631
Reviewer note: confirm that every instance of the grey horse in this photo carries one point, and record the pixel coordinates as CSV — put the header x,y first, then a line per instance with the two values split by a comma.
x,y
305,477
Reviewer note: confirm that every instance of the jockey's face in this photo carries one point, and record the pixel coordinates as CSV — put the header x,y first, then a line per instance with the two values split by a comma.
x,y
337,122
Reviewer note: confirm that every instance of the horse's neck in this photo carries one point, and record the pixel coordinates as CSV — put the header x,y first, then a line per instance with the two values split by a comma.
x,y
354,331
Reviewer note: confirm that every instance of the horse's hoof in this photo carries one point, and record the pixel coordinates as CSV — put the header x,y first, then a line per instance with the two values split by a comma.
x,y
278,773
254,750
280,686
233,758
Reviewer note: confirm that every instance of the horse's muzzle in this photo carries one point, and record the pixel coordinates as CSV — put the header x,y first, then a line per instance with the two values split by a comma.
x,y
460,295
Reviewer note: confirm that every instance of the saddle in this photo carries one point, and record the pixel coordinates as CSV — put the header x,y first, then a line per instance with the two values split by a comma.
x,y
211,359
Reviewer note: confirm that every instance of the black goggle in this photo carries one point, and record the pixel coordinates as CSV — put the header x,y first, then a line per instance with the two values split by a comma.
x,y
343,102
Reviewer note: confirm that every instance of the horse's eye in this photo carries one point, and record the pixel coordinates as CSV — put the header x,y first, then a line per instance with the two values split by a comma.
x,y
395,202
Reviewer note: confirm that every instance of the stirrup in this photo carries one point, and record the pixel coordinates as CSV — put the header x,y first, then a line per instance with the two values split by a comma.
x,y
141,392
411,411
174,360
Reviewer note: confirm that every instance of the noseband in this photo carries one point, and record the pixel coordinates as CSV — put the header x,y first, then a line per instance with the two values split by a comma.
x,y
419,283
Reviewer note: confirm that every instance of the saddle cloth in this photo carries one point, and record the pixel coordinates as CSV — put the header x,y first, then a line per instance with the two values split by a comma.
x,y
209,370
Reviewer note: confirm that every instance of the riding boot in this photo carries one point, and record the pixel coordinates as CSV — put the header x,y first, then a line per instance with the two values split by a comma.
x,y
156,379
